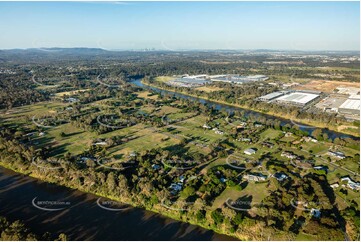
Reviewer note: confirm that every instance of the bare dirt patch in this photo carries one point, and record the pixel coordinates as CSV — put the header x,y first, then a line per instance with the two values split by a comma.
x,y
325,85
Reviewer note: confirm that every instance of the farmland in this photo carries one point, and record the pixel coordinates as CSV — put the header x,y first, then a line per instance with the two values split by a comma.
x,y
225,169
180,132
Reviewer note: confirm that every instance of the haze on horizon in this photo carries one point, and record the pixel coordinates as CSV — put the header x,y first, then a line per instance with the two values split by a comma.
x,y
181,25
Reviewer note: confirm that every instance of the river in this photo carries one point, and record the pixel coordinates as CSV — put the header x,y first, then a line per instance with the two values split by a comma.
x,y
309,129
83,218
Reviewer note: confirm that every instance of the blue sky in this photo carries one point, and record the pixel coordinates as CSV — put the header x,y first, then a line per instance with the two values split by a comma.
x,y
181,25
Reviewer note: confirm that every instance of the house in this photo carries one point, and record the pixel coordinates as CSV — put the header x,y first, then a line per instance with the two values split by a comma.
x,y
308,139
335,185
156,167
255,177
71,100
280,176
336,154
219,132
223,180
41,134
250,151
30,134
182,178
315,213
243,124
354,185
245,140
100,143
133,154
206,126
346,178
289,155
350,183
324,168
84,159
288,134
176,187
267,144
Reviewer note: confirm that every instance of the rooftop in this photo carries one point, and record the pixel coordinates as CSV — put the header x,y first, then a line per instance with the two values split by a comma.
x,y
271,95
351,104
298,97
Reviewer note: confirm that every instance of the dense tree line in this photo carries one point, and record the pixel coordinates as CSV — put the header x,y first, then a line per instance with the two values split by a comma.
x,y
17,231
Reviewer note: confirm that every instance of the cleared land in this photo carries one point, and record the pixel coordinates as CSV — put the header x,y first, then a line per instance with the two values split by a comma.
x,y
325,85
209,89
164,78
69,93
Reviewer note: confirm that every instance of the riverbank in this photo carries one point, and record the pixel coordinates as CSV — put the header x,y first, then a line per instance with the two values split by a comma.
x,y
304,122
166,213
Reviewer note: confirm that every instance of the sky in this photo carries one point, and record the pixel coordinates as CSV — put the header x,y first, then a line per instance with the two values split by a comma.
x,y
181,25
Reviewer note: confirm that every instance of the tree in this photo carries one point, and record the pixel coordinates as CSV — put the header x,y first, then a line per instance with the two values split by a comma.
x,y
111,183
200,215
217,216
62,237
238,219
317,134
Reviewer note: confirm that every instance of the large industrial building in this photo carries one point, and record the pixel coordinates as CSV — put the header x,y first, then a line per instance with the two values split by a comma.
x,y
188,82
351,105
331,103
346,105
239,79
271,96
297,98
290,97
202,79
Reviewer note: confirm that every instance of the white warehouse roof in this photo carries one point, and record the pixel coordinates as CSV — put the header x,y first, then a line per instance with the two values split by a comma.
x,y
351,104
298,97
354,97
272,95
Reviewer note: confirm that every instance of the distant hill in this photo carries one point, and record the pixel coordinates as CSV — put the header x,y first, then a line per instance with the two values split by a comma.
x,y
56,49
47,55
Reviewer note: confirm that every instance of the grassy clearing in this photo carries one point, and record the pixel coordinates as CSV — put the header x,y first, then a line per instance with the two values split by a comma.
x,y
256,191
179,115
193,128
168,110
164,78
42,108
142,138
305,237
316,148
147,95
290,138
75,140
270,134
70,93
